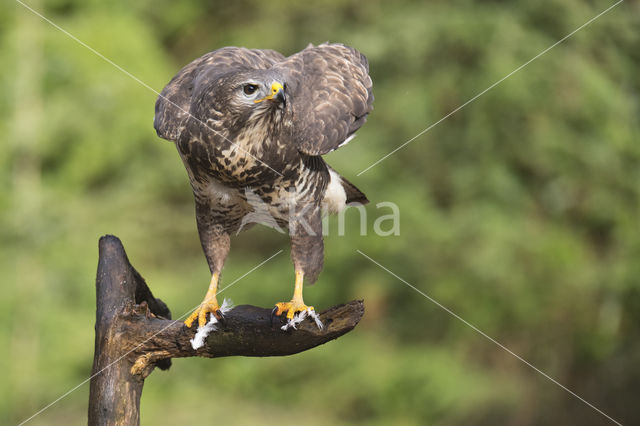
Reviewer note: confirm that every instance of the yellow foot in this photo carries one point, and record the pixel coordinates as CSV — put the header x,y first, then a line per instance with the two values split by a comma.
x,y
291,308
207,306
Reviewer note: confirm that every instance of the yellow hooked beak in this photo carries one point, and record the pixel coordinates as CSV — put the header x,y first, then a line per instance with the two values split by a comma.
x,y
275,89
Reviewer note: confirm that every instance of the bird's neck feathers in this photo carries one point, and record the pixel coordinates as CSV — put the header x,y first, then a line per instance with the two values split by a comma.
x,y
266,116
264,123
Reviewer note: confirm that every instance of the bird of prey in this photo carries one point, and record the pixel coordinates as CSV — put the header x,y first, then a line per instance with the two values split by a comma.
x,y
252,123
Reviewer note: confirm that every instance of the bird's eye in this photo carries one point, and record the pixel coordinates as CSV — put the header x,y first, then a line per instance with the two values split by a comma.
x,y
249,89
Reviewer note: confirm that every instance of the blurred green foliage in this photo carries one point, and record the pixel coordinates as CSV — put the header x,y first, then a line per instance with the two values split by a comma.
x,y
520,212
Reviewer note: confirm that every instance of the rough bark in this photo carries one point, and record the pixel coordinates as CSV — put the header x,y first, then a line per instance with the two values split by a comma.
x,y
135,334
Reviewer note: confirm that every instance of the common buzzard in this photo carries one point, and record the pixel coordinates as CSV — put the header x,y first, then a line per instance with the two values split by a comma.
x,y
253,123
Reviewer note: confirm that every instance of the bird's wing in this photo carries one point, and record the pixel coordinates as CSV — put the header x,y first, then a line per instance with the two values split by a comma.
x,y
330,90
173,104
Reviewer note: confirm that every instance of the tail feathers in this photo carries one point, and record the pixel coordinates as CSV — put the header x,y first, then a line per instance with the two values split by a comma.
x,y
354,195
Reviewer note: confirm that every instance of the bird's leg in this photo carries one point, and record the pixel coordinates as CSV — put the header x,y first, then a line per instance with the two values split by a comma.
x,y
296,304
208,305
215,243
305,228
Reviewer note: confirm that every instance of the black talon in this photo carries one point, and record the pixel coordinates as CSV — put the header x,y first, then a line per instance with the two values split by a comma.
x,y
219,315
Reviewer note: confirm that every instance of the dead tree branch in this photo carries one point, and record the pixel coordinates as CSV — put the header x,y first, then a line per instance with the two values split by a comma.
x,y
135,334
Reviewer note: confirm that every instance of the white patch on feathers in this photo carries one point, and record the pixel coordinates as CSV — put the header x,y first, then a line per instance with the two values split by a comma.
x,y
299,317
335,197
347,140
220,192
201,335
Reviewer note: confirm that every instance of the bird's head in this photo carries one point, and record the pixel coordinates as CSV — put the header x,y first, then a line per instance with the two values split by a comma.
x,y
246,97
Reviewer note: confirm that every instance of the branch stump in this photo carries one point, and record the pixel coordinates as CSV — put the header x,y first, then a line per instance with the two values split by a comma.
x,y
135,333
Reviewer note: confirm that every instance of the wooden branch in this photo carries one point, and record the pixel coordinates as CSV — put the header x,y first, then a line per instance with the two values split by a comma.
x,y
135,334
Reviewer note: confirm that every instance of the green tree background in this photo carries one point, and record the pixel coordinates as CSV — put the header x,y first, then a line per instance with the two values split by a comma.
x,y
520,212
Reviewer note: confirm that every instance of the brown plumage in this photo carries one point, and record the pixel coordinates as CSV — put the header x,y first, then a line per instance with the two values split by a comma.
x,y
251,124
